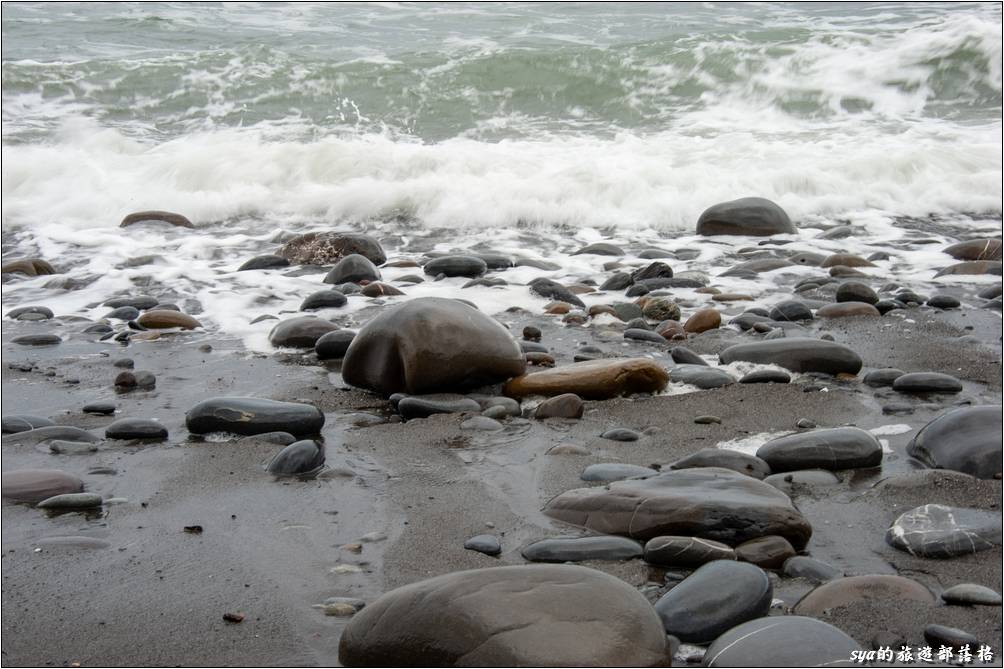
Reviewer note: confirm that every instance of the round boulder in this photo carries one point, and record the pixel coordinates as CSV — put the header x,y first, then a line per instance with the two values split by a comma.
x,y
964,440
753,216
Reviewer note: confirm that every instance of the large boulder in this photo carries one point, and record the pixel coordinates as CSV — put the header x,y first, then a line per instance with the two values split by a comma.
x,y
325,248
592,379
965,440
250,415
524,616
754,216
429,345
707,502
976,249
799,354
834,449
782,641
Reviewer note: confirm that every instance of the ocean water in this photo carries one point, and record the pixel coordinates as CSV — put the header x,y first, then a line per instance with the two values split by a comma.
x,y
528,129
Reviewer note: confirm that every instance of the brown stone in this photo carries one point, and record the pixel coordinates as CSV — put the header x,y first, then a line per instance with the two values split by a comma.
x,y
768,552
580,289
557,308
976,249
592,379
325,248
708,290
168,217
731,297
846,260
166,318
34,485
671,329
378,289
972,267
29,267
539,359
568,405
844,591
843,309
598,309
703,320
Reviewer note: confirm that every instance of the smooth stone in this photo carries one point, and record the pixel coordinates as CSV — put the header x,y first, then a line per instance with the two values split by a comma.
x,y
953,637
496,261
323,299
420,407
802,566
766,376
856,291
431,344
264,262
965,440
583,548
531,347
277,438
991,292
833,448
807,258
484,543
600,249
510,406
140,302
176,220
592,379
621,434
457,265
136,428
644,335
553,290
167,318
34,485
845,260
798,354
791,310
765,552
74,500
538,264
755,216
847,310
971,594
702,376
943,302
568,405
63,447
22,312
481,424
715,598
674,282
790,482
976,249
251,416
722,457
300,457
898,409
532,615
377,289
927,382
98,328
703,320
973,267
334,344
851,589
939,531
655,270
682,355
782,641
567,449
24,422
49,433
606,472
617,281
300,332
757,266
882,378
352,268
490,282
707,502
672,551
37,340
655,253
708,420
28,267
325,248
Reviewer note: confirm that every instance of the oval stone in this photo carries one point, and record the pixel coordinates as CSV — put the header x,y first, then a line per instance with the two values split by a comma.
x,y
300,457
965,440
250,415
843,591
593,379
300,332
927,382
583,548
834,449
686,551
755,216
782,641
798,354
167,318
34,485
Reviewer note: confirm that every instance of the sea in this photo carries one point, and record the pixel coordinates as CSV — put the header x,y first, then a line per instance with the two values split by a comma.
x,y
523,128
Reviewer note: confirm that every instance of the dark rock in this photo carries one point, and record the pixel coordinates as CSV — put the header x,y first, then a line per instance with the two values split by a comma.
x,y
855,291
974,267
845,260
103,408
656,270
617,281
834,449
661,309
638,334
325,248
938,531
568,405
37,340
721,457
531,347
334,344
976,249
484,543
782,641
300,457
801,566
323,299
766,376
423,407
177,220
882,378
600,249
965,440
160,318
34,485
24,422
685,551
747,320
300,332
490,282
702,376
954,638
799,354
675,282
684,356
533,615
927,382
592,379
98,328
791,482
554,291
277,438
531,333
250,416
621,434
708,420
136,428
707,502
468,266
50,433
69,501
943,302
431,344
714,599
766,552
264,262
791,310
606,472
747,216
24,313
496,261
377,289
352,268
991,292
583,548
28,267
971,594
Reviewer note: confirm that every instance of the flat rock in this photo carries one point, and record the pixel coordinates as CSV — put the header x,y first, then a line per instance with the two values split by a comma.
x,y
468,266
264,262
749,465
34,485
324,299
802,566
73,500
593,379
684,356
965,440
583,548
971,594
972,267
423,407
621,434
170,218
847,309
833,448
851,589
37,340
568,405
715,598
300,457
766,552
35,312
707,502
250,416
484,543
533,615
782,641
431,344
605,472
976,249
798,354
325,248
702,376
600,249
798,480
299,332
939,531
942,635
136,428
23,422
766,376
49,433
927,382
672,551
755,216
882,378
